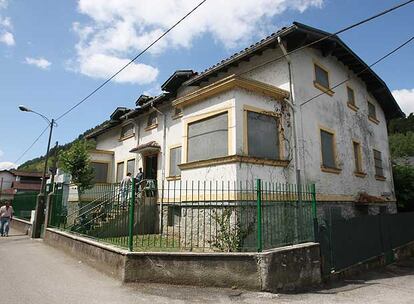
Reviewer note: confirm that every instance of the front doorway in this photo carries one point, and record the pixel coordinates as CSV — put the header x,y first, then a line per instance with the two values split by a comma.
x,y
150,166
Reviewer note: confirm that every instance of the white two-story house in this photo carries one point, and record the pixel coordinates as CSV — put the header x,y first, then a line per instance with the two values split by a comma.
x,y
265,112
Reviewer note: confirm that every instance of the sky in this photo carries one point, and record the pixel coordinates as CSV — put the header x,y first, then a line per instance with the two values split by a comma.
x,y
54,53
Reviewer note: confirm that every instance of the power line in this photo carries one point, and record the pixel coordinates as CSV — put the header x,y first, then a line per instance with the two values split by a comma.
x,y
360,72
131,61
329,36
34,142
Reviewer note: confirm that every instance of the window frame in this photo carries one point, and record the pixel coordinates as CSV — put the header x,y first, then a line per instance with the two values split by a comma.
x,y
124,137
107,171
153,125
247,109
204,116
374,118
377,176
123,171
359,172
173,177
318,85
335,169
135,165
351,105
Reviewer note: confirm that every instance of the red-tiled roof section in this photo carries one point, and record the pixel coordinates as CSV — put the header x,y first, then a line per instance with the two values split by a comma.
x,y
26,186
27,174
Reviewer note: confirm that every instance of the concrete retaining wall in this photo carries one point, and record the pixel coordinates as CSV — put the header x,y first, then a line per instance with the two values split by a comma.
x,y
21,225
289,268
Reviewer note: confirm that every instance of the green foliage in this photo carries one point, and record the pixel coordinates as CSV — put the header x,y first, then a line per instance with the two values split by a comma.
x,y
76,162
230,234
404,187
401,125
402,145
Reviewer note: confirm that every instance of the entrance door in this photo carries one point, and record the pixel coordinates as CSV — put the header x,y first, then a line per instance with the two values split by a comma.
x,y
150,166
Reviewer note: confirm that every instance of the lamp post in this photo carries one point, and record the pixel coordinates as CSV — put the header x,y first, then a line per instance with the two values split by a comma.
x,y
41,198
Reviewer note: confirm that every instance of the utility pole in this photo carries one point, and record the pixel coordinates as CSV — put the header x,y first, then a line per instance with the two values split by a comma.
x,y
50,196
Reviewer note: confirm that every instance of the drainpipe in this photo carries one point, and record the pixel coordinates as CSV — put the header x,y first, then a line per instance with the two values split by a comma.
x,y
291,103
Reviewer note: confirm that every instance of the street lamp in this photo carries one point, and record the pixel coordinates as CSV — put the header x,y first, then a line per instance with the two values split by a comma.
x,y
41,198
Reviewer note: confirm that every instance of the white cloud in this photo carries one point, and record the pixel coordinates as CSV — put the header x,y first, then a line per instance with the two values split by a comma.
x,y
40,62
103,66
6,36
405,99
122,28
7,165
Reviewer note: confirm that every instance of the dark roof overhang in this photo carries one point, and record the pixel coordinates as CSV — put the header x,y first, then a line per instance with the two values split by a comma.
x,y
175,80
298,35
120,111
142,100
147,148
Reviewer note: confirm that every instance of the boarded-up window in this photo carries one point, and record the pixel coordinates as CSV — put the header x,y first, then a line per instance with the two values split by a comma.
x,y
351,96
328,150
127,130
152,119
119,172
379,170
321,76
357,157
131,167
100,171
371,110
175,160
262,135
208,138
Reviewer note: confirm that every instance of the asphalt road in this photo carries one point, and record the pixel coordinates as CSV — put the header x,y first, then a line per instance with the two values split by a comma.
x,y
34,273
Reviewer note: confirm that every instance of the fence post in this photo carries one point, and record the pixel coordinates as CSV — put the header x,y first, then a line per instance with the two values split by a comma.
x,y
314,214
259,214
131,217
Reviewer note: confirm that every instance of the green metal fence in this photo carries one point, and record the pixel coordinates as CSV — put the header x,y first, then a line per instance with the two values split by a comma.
x,y
199,216
23,203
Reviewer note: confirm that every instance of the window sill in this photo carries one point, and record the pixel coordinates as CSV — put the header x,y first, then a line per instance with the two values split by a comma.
x,y
173,178
323,89
154,126
126,137
380,178
177,116
360,174
233,159
352,106
331,170
373,119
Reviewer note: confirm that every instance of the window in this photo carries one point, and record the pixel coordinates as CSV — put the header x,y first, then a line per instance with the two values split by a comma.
x,y
371,111
177,112
262,135
321,77
152,119
351,96
328,150
379,170
357,157
119,172
131,166
100,171
175,160
208,138
127,130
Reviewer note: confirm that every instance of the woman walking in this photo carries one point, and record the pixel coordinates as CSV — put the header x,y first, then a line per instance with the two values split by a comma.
x,y
6,216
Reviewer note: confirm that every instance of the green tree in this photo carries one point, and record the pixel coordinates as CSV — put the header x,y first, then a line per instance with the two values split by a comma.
x,y
402,125
76,162
402,145
404,187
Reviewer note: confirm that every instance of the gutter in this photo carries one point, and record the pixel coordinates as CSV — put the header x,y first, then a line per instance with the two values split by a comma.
x,y
291,103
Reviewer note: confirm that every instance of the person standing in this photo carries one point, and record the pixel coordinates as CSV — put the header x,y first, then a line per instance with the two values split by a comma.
x,y
125,189
6,216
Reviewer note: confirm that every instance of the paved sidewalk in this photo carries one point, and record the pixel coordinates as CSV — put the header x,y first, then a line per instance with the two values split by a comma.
x,y
34,273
